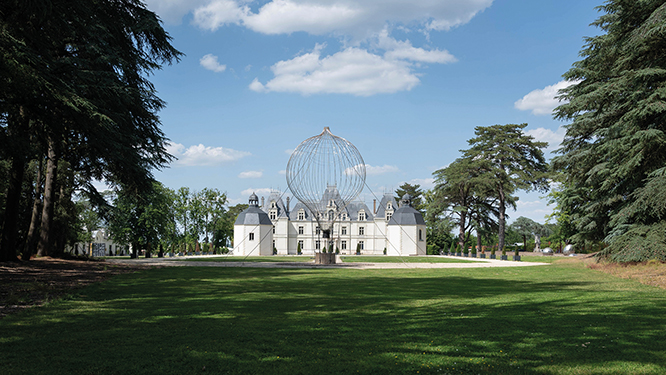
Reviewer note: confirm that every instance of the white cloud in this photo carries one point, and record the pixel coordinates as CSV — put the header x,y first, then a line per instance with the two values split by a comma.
x,y
289,151
200,155
426,183
258,191
357,18
283,172
542,101
403,50
251,174
373,170
554,138
377,170
172,11
352,71
210,62
218,13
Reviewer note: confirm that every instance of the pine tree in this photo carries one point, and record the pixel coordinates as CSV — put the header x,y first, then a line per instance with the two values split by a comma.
x,y
508,160
613,158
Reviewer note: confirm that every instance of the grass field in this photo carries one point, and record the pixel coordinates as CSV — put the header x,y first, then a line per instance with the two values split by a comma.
x,y
255,259
557,319
405,259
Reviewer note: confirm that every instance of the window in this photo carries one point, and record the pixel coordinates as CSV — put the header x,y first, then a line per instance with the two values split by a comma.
x,y
273,204
361,245
361,216
318,230
331,215
273,229
343,216
273,244
300,230
361,231
273,215
300,243
251,237
317,244
389,206
420,234
344,230
301,215
343,245
388,216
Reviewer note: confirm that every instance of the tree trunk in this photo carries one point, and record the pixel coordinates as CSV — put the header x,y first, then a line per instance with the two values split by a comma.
x,y
12,205
58,237
478,242
44,245
501,219
149,248
31,242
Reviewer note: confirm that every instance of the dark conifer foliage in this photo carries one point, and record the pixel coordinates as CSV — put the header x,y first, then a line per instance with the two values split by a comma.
x,y
613,158
74,79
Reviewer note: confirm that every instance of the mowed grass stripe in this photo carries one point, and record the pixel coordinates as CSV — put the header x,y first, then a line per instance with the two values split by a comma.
x,y
561,319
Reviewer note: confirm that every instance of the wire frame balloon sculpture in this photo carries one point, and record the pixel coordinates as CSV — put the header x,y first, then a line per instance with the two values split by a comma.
x,y
326,173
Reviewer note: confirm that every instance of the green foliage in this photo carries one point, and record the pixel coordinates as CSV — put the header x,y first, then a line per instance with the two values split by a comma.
x,y
507,160
299,251
613,158
415,192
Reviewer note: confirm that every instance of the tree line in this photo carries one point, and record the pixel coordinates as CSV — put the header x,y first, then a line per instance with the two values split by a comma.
x,y
75,106
176,220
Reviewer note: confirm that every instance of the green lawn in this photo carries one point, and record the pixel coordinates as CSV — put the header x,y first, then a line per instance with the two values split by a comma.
x,y
559,319
405,259
229,258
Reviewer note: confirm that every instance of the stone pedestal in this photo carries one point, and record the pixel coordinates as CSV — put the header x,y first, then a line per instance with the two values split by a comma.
x,y
324,258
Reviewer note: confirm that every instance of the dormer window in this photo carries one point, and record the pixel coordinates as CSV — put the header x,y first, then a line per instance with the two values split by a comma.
x,y
273,215
388,216
331,215
301,215
273,204
361,216
389,206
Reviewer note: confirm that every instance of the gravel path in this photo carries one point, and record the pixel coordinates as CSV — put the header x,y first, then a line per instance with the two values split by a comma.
x,y
478,263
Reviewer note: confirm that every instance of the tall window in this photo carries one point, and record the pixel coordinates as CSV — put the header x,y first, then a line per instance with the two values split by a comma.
x,y
300,230
317,244
361,231
301,215
344,230
362,245
318,230
343,245
273,215
420,234
300,243
388,216
273,229
251,237
361,216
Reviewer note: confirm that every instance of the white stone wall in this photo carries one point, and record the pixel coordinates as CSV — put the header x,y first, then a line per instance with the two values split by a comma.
x,y
262,244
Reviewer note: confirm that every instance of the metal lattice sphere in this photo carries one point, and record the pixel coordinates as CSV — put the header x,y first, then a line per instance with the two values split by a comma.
x,y
325,173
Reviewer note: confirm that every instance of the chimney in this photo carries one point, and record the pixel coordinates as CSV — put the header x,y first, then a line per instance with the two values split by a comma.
x,y
262,201
287,204
374,206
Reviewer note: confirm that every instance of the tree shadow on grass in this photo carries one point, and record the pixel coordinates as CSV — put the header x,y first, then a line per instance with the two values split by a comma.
x,y
330,322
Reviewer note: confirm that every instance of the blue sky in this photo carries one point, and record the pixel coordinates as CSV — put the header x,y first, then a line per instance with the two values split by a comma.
x,y
406,81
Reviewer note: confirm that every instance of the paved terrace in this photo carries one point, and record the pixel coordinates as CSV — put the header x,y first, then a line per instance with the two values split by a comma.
x,y
180,262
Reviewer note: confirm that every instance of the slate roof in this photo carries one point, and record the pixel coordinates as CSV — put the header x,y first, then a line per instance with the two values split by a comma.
x,y
293,214
381,210
281,208
406,214
253,215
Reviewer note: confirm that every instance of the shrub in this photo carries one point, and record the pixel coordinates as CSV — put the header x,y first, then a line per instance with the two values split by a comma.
x,y
384,251
299,251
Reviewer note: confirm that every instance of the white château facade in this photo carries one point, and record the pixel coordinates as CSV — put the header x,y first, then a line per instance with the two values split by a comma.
x,y
400,229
